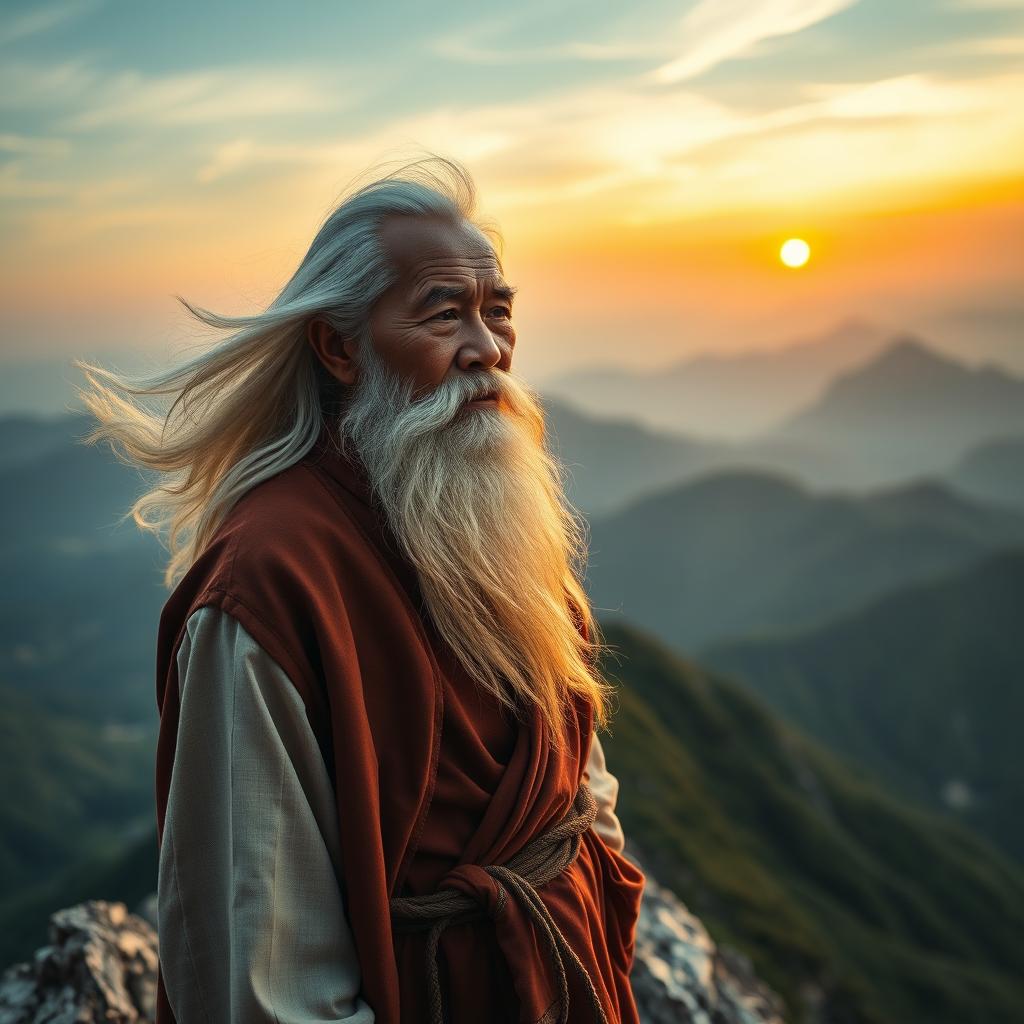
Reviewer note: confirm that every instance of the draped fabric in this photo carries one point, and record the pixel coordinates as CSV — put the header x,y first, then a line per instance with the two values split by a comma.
x,y
428,774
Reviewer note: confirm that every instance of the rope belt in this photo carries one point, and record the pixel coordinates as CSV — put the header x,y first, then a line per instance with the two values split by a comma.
x,y
544,857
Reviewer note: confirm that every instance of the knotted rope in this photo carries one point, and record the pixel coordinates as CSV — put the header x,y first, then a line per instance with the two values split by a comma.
x,y
544,857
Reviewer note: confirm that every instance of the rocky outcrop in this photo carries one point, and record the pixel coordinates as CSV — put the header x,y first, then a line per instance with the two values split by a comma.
x,y
680,975
100,965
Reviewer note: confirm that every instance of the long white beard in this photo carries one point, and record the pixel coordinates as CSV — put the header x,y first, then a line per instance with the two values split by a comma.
x,y
477,504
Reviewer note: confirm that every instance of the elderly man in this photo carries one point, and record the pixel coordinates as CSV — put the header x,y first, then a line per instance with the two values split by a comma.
x,y
380,796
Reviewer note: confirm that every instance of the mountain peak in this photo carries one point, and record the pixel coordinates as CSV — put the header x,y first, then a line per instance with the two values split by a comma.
x,y
912,350
906,361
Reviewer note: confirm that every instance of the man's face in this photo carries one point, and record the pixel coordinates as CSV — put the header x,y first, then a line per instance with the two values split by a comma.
x,y
449,310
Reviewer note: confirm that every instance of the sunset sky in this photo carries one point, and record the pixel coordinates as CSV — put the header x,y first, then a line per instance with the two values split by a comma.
x,y
644,162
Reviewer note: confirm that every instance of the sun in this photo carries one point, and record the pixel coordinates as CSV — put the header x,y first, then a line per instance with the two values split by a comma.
x,y
795,252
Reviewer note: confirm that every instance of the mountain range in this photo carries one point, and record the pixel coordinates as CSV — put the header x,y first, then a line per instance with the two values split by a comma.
x,y
855,907
855,837
731,554
731,396
993,471
852,904
923,687
909,411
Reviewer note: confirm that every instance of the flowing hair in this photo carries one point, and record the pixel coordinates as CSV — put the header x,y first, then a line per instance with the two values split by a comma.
x,y
254,404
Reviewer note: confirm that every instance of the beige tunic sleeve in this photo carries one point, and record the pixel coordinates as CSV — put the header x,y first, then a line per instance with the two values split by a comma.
x,y
252,921
605,788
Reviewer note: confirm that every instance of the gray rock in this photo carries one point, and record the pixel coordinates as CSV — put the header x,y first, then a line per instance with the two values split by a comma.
x,y
100,965
681,977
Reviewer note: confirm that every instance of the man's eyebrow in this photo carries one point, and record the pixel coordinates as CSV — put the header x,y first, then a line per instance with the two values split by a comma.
x,y
443,292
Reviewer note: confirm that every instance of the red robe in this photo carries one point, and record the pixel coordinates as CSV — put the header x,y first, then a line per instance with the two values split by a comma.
x,y
309,568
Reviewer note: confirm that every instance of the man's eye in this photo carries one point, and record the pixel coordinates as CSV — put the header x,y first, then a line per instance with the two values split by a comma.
x,y
502,311
438,316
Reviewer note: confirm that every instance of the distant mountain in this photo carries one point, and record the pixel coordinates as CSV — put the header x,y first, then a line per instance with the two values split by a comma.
x,y
853,906
991,329
731,553
923,687
992,471
612,462
71,790
128,873
38,386
733,396
910,410
70,494
47,386
25,438
78,613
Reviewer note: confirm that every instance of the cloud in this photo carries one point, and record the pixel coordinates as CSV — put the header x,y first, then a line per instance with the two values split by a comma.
x,y
633,146
902,96
41,19
14,186
469,49
206,96
713,31
82,97
1007,46
35,85
718,30
29,145
989,5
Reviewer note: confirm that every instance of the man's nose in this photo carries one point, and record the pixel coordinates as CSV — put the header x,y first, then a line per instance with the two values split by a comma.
x,y
481,347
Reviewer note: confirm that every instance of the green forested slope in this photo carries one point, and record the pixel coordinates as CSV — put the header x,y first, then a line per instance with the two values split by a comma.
x,y
831,886
923,688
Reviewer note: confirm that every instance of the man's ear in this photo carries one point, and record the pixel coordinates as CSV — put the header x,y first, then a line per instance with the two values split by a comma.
x,y
335,352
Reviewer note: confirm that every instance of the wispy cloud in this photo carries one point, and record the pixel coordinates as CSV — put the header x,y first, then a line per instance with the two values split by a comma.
x,y
627,142
13,185
33,86
989,5
718,30
81,96
28,145
904,96
209,95
469,49
1011,46
43,18
713,31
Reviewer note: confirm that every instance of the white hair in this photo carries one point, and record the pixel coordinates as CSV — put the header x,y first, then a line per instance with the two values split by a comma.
x,y
254,404
514,611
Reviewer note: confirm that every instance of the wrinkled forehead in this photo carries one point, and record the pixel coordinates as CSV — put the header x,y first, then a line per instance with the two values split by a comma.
x,y
420,247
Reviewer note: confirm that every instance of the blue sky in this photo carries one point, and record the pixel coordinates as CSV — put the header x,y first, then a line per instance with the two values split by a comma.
x,y
149,149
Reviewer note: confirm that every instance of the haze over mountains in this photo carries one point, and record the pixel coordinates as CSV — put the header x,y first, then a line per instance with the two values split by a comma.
x,y
907,411
910,410
819,661
611,462
728,396
735,553
732,395
993,471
